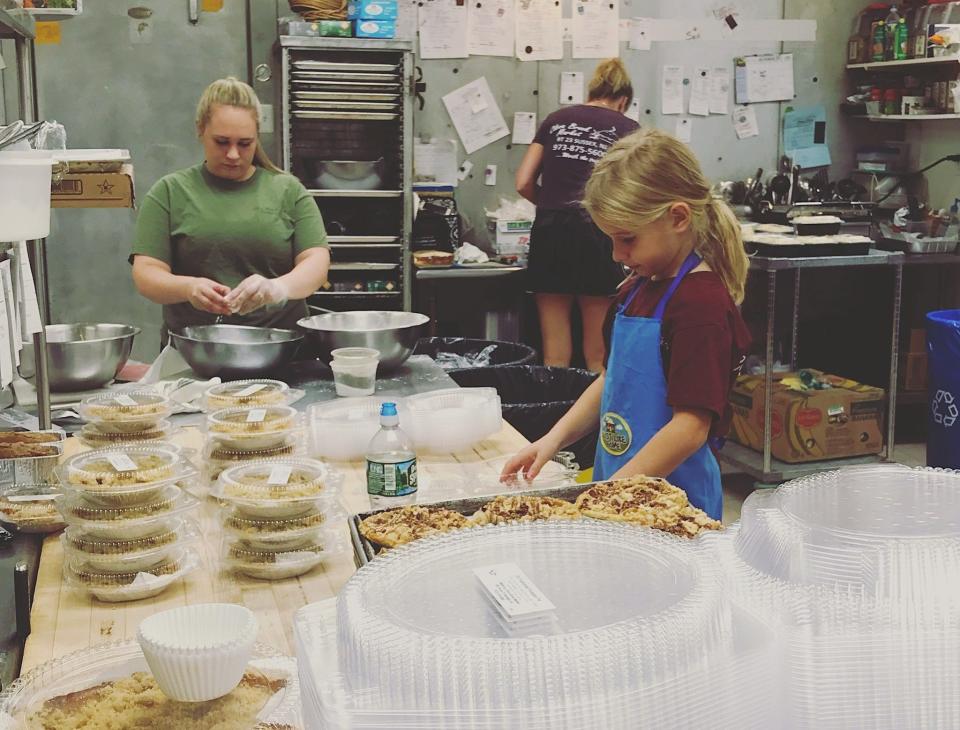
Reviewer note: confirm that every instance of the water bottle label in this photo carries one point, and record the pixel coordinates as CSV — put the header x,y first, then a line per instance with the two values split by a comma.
x,y
392,480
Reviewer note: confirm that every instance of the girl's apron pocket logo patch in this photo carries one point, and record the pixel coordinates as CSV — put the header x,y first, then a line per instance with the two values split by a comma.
x,y
615,434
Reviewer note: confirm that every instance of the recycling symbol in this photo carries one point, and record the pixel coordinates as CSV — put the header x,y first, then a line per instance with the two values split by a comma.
x,y
944,408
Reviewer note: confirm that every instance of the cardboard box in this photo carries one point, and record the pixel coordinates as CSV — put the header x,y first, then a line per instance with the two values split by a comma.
x,y
375,28
913,376
918,340
844,420
372,10
93,189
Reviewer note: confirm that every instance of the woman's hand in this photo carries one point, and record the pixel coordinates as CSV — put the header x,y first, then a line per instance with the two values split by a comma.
x,y
528,462
209,296
254,292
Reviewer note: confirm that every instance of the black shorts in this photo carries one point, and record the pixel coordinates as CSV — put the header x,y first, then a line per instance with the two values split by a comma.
x,y
570,255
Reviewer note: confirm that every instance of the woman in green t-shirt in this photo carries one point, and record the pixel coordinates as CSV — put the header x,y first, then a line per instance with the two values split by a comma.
x,y
233,237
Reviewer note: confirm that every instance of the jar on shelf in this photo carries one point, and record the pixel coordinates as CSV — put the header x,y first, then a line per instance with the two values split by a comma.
x,y
891,101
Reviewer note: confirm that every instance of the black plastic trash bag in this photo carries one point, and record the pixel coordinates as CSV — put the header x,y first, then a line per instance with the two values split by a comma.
x,y
534,397
459,353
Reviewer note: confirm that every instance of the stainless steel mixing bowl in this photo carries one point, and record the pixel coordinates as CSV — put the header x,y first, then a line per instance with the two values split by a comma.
x,y
86,356
392,334
235,351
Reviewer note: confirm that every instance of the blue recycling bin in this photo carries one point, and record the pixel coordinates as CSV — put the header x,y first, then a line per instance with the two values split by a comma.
x,y
943,389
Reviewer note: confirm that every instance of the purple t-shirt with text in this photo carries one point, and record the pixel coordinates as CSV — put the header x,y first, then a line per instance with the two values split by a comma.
x,y
573,139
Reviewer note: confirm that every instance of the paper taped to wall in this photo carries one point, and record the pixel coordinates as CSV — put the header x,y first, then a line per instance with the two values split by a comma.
x,y
524,127
745,122
475,115
671,90
491,28
571,87
595,27
767,77
539,30
443,29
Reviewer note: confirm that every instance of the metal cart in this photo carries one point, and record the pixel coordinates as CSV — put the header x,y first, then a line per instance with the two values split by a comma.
x,y
347,109
762,466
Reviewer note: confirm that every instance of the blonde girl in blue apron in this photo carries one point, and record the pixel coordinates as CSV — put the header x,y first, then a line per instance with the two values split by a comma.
x,y
650,196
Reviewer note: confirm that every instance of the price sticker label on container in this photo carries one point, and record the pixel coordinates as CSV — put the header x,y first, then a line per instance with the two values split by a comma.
x,y
250,390
512,590
125,400
279,475
122,462
257,415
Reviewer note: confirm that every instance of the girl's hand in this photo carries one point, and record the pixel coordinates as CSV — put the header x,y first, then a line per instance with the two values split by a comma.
x,y
254,292
528,462
209,296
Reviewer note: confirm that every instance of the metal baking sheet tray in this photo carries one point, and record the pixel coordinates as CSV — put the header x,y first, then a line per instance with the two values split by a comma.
x,y
344,76
367,116
364,551
335,66
346,86
343,96
345,105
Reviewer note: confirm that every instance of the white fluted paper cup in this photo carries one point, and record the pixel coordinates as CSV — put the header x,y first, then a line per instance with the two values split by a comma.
x,y
198,653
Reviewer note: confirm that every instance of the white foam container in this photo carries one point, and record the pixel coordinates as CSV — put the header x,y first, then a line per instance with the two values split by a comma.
x,y
198,652
25,194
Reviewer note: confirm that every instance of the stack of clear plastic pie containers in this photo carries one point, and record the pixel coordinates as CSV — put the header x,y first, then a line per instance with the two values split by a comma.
x,y
138,416
450,420
858,572
280,516
242,434
537,625
342,429
125,507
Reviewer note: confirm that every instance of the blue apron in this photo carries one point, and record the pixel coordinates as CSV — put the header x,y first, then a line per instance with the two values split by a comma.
x,y
634,404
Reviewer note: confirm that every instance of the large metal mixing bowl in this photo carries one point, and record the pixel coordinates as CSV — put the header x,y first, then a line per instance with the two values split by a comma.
x,y
235,351
86,356
393,334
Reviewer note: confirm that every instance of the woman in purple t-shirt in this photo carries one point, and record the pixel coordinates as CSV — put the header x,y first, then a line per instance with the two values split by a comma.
x,y
570,258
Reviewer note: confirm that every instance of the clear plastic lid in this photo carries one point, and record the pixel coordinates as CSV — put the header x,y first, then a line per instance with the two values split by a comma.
x,y
272,564
95,436
275,702
134,410
342,429
125,475
278,488
885,532
249,429
426,608
276,534
248,393
451,420
30,508
217,457
114,587
123,556
125,523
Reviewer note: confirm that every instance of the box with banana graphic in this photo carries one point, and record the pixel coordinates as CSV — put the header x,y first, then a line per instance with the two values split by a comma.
x,y
815,416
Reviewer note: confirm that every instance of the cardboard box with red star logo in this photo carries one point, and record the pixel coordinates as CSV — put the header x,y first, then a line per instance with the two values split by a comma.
x,y
93,189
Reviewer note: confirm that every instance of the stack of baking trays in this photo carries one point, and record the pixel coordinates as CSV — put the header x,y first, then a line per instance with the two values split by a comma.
x,y
250,420
858,572
280,517
126,508
547,624
813,235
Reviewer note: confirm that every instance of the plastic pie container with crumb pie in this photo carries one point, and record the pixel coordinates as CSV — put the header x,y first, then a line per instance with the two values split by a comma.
x,y
124,556
94,436
251,429
217,458
280,534
122,476
278,488
30,508
137,410
250,393
63,677
125,523
114,587
263,564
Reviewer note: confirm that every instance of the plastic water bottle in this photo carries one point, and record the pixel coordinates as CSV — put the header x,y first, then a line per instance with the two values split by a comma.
x,y
391,463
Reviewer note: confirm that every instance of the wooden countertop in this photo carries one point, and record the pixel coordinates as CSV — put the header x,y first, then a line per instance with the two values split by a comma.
x,y
64,620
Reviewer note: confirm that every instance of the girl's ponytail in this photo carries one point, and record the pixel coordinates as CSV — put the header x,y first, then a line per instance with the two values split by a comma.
x,y
721,246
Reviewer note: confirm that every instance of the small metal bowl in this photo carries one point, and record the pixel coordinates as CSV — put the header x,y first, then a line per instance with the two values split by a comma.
x,y
86,356
392,334
235,351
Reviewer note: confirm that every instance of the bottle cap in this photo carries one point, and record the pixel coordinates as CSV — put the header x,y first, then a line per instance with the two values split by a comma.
x,y
388,409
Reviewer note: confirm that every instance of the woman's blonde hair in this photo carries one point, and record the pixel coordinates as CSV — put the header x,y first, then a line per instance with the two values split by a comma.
x,y
233,92
610,81
646,172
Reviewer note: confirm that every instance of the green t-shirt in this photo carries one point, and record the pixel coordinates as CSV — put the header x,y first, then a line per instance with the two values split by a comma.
x,y
203,225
